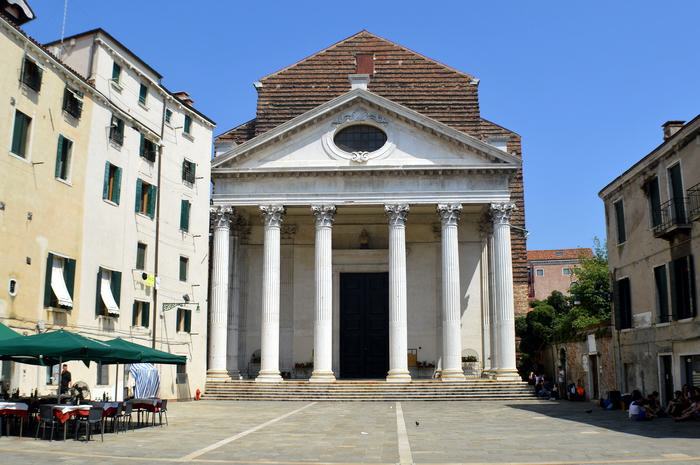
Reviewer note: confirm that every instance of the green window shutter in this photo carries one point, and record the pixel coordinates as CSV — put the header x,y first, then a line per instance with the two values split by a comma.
x,y
69,275
193,169
152,201
184,170
145,314
674,289
19,134
184,215
141,145
616,305
59,157
133,313
105,186
39,75
188,321
139,188
116,285
48,292
117,185
693,295
98,298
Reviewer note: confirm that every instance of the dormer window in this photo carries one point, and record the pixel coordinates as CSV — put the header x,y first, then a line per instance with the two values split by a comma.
x,y
360,138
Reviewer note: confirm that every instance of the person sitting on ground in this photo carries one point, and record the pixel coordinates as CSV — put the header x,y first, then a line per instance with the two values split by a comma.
x,y
692,412
637,412
580,391
677,405
652,404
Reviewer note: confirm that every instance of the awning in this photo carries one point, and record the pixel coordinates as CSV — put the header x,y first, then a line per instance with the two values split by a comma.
x,y
106,293
58,284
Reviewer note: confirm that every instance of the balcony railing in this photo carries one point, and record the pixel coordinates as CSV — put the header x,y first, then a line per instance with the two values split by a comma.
x,y
694,202
673,216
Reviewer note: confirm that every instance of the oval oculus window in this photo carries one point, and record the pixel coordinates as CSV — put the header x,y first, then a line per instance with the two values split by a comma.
x,y
360,138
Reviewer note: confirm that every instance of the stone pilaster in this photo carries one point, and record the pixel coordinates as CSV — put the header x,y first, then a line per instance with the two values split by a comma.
x,y
218,310
273,216
451,297
398,332
503,316
323,304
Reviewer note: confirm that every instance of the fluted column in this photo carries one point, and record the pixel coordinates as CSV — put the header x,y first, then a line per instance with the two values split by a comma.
x,y
323,305
485,231
270,322
503,314
234,300
398,331
218,311
451,298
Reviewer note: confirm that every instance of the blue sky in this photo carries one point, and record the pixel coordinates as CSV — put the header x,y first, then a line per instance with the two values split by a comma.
x,y
586,84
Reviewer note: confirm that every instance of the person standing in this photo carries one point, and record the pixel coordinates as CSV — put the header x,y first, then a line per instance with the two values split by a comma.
x,y
65,379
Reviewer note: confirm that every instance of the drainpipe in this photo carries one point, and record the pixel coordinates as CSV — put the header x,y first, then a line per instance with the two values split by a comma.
x,y
159,190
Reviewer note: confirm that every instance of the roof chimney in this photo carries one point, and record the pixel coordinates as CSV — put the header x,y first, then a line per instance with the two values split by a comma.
x,y
358,81
671,128
184,97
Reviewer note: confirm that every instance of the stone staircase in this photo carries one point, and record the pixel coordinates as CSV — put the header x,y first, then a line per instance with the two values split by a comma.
x,y
370,390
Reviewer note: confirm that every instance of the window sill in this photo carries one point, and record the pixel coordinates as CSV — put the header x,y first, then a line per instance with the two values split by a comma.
x,y
662,324
19,157
107,317
188,136
110,202
144,215
58,309
64,181
116,145
116,86
26,87
143,105
685,320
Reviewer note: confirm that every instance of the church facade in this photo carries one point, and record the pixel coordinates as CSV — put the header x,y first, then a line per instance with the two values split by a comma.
x,y
368,223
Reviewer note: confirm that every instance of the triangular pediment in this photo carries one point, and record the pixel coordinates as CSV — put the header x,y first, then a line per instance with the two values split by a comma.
x,y
306,143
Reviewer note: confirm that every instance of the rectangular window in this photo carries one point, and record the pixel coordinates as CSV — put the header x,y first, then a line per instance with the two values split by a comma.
x,y
188,125
620,221
108,292
189,170
168,116
661,293
102,374
145,198
682,274
652,189
185,206
141,314
20,134
539,272
675,179
59,283
141,256
52,374
116,73
148,149
143,94
623,304
566,271
112,184
31,74
116,130
73,102
181,373
184,262
184,320
63,158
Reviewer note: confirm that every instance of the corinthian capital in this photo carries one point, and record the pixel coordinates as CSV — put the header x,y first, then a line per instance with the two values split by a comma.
x,y
325,215
397,213
273,215
221,216
501,212
449,213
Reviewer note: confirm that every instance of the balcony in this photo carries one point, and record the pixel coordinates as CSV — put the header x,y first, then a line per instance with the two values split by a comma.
x,y
673,218
694,203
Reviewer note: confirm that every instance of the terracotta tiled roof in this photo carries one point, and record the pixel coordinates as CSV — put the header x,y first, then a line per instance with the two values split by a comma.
x,y
559,254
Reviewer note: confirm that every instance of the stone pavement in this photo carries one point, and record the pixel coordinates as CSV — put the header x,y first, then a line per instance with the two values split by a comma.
x,y
299,433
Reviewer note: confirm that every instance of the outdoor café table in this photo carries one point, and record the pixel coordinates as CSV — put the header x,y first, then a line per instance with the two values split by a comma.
x,y
110,408
14,409
146,405
63,413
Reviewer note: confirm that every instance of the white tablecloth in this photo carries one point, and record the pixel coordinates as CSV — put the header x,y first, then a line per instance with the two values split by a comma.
x,y
13,406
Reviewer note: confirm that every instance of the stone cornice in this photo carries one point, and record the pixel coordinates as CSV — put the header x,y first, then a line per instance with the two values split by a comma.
x,y
360,170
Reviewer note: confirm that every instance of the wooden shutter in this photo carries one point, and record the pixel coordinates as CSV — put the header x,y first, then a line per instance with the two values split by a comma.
x,y
188,320
133,313
98,297
19,134
69,276
616,305
39,75
185,215
59,157
48,292
145,314
674,289
693,295
139,188
117,185
105,186
152,201
115,283
661,292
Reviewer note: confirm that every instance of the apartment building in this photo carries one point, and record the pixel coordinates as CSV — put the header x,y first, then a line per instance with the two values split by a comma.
x,y
552,270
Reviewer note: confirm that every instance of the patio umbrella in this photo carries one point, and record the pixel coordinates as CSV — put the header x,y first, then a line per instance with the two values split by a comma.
x,y
7,333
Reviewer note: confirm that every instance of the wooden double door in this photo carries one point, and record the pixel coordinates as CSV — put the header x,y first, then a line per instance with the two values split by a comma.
x,y
364,325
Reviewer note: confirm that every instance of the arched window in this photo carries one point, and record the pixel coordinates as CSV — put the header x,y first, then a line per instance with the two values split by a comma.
x,y
360,138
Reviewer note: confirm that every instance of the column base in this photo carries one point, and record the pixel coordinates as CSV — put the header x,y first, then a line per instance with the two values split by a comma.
x,y
398,377
452,375
218,376
269,377
235,375
505,375
322,377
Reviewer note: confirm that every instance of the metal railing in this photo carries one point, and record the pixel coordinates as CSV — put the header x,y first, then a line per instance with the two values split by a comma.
x,y
673,215
694,202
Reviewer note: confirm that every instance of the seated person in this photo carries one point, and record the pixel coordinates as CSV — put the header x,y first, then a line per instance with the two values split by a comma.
x,y
677,405
652,404
580,391
637,412
692,412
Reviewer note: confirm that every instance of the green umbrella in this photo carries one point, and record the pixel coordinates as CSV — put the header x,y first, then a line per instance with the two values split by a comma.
x,y
7,333
148,355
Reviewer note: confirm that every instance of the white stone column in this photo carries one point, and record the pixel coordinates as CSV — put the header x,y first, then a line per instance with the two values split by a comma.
x,y
503,314
398,331
234,304
323,309
270,321
218,310
485,298
451,296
